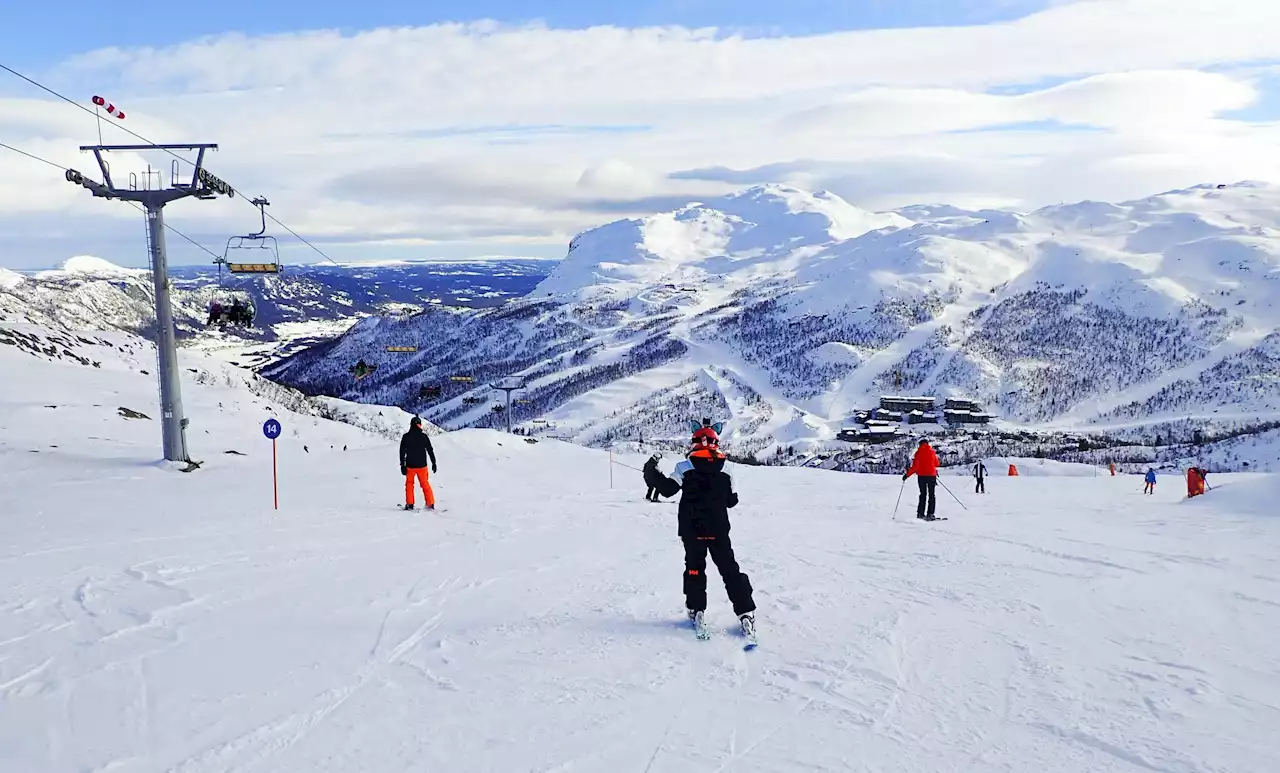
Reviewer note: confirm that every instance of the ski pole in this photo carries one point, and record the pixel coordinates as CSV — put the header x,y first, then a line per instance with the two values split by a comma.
x,y
895,504
953,496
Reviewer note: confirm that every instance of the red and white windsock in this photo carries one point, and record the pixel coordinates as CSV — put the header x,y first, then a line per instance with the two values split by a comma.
x,y
110,108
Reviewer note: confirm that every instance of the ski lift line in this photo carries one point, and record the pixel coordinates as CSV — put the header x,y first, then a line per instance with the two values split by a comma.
x,y
33,157
129,131
133,204
93,113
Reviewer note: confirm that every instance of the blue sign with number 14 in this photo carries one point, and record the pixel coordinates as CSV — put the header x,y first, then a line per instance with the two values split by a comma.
x,y
271,429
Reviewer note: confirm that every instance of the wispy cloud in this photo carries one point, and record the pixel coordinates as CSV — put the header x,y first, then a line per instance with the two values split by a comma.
x,y
472,134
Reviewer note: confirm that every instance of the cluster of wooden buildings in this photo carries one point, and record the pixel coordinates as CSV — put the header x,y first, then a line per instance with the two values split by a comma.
x,y
885,422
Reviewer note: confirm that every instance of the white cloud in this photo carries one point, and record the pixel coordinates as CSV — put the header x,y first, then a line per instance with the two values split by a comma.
x,y
480,134
1111,100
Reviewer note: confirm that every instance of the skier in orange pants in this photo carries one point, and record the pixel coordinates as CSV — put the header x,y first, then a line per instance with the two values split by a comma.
x,y
415,448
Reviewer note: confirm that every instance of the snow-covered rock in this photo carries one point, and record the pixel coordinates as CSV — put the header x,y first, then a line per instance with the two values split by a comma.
x,y
10,279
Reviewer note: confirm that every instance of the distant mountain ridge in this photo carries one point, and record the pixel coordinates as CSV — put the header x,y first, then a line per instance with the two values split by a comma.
x,y
88,293
784,311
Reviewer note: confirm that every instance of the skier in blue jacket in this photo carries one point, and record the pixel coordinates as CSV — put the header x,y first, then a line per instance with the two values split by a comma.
x,y
1150,487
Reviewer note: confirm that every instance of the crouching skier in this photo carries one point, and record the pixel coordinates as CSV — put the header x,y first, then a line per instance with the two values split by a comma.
x,y
706,495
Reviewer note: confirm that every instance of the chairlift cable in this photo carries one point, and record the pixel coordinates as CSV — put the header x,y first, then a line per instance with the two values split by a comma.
x,y
129,131
133,204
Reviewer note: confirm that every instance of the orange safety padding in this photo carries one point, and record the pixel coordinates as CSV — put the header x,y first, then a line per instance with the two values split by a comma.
x,y
418,474
1195,483
1112,467
1013,469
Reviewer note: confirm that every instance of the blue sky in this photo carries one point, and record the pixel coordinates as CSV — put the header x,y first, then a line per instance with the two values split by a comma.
x,y
33,36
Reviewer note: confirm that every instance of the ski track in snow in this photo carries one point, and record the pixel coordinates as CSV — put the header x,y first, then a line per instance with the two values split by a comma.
x,y
165,622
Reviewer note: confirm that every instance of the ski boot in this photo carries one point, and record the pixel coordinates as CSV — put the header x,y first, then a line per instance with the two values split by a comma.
x,y
748,623
699,625
408,507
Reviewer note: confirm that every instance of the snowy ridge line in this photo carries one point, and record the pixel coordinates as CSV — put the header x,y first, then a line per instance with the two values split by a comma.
x,y
1069,319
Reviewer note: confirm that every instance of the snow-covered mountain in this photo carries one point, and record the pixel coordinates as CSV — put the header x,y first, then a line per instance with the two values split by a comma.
x,y
153,621
785,311
88,293
303,306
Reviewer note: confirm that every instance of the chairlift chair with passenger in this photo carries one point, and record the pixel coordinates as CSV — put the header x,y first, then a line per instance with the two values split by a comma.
x,y
236,312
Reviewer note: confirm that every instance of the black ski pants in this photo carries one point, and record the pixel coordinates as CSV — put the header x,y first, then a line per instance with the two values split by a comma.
x,y
928,495
695,574
981,487
651,494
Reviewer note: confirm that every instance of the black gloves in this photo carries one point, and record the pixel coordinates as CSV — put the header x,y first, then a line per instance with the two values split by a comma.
x,y
906,475
404,470
433,468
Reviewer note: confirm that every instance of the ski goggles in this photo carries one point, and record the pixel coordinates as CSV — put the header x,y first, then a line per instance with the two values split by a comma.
x,y
707,440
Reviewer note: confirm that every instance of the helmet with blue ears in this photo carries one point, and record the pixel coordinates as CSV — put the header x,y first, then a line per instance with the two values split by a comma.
x,y
705,434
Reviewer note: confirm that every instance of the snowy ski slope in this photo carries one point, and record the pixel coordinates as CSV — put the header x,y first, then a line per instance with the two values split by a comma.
x,y
156,621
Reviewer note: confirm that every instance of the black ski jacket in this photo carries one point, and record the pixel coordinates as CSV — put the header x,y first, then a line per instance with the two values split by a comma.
x,y
706,498
415,447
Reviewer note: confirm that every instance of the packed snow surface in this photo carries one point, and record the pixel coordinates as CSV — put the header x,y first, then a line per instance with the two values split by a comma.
x,y
156,621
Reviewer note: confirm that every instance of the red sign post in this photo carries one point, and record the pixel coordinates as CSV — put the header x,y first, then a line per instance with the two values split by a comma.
x,y
272,430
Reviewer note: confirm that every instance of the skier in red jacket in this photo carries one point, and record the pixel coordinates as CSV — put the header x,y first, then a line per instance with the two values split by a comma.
x,y
925,467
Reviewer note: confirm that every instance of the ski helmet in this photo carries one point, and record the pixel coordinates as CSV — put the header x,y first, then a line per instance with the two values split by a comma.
x,y
705,437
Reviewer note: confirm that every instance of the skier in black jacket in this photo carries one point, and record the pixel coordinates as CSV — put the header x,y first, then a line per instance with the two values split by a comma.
x,y
415,448
706,497
651,464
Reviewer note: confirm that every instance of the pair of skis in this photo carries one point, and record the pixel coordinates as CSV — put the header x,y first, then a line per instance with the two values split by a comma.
x,y
703,632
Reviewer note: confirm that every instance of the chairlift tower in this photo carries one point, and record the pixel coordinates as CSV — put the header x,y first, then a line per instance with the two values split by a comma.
x,y
509,385
202,185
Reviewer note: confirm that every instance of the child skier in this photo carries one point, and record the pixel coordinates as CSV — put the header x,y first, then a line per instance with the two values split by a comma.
x,y
706,497
415,448
1150,481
